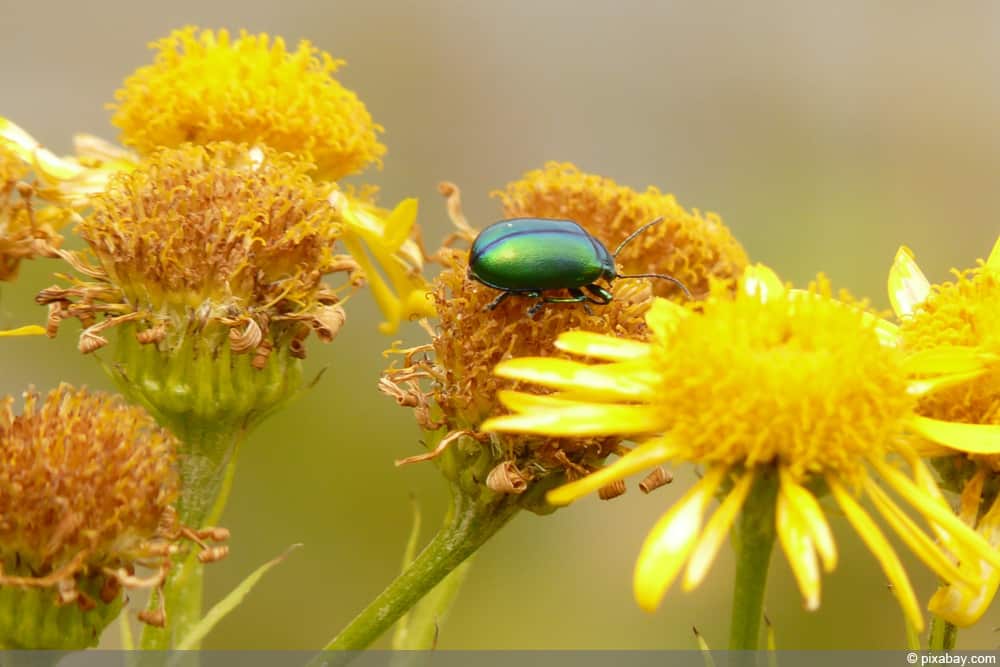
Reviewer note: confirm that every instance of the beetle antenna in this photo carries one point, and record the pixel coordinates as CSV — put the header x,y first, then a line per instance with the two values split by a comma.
x,y
675,281
631,237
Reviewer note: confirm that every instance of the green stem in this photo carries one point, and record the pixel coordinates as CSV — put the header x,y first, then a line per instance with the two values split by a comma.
x,y
753,538
467,526
418,631
207,462
943,635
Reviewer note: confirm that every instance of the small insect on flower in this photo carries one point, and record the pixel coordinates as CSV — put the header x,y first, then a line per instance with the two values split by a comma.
x,y
528,256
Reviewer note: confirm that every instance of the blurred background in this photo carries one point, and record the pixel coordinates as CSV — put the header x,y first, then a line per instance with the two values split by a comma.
x,y
825,134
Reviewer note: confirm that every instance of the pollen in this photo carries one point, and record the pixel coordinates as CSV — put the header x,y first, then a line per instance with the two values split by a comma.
x,y
204,86
693,247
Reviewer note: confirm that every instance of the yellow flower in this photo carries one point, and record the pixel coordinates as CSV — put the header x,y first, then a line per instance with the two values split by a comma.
x,y
960,315
689,246
206,87
86,488
380,242
770,383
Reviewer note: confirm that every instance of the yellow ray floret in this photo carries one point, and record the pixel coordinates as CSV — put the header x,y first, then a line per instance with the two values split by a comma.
x,y
392,263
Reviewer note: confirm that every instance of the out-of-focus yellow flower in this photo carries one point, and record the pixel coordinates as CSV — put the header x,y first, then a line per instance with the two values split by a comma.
x,y
66,181
690,246
960,315
380,242
771,382
39,194
205,87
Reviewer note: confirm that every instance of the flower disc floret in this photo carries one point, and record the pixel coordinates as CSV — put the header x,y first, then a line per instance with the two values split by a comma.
x,y
802,382
693,247
220,224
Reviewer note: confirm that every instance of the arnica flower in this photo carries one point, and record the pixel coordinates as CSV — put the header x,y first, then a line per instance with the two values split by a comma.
x,y
956,317
205,86
788,387
694,248
210,266
86,488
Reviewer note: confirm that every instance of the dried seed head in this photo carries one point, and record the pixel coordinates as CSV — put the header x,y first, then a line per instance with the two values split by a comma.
x,y
85,493
210,261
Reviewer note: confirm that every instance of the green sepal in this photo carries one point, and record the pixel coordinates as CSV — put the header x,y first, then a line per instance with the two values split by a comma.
x,y
32,618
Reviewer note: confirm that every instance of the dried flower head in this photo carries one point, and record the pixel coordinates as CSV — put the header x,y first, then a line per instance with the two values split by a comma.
x,y
453,389
86,489
959,316
205,87
689,246
210,262
790,386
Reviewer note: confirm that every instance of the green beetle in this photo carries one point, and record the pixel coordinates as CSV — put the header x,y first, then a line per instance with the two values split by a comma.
x,y
529,256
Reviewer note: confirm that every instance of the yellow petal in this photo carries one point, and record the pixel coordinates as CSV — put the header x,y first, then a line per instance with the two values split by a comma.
x,y
993,261
882,550
812,518
715,532
671,540
599,346
629,381
911,534
944,359
959,605
887,332
647,455
551,415
43,160
970,438
908,286
761,281
663,317
797,543
30,330
930,385
934,512
962,606
399,224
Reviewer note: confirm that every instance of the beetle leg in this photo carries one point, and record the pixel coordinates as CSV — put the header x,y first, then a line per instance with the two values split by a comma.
x,y
497,301
598,295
